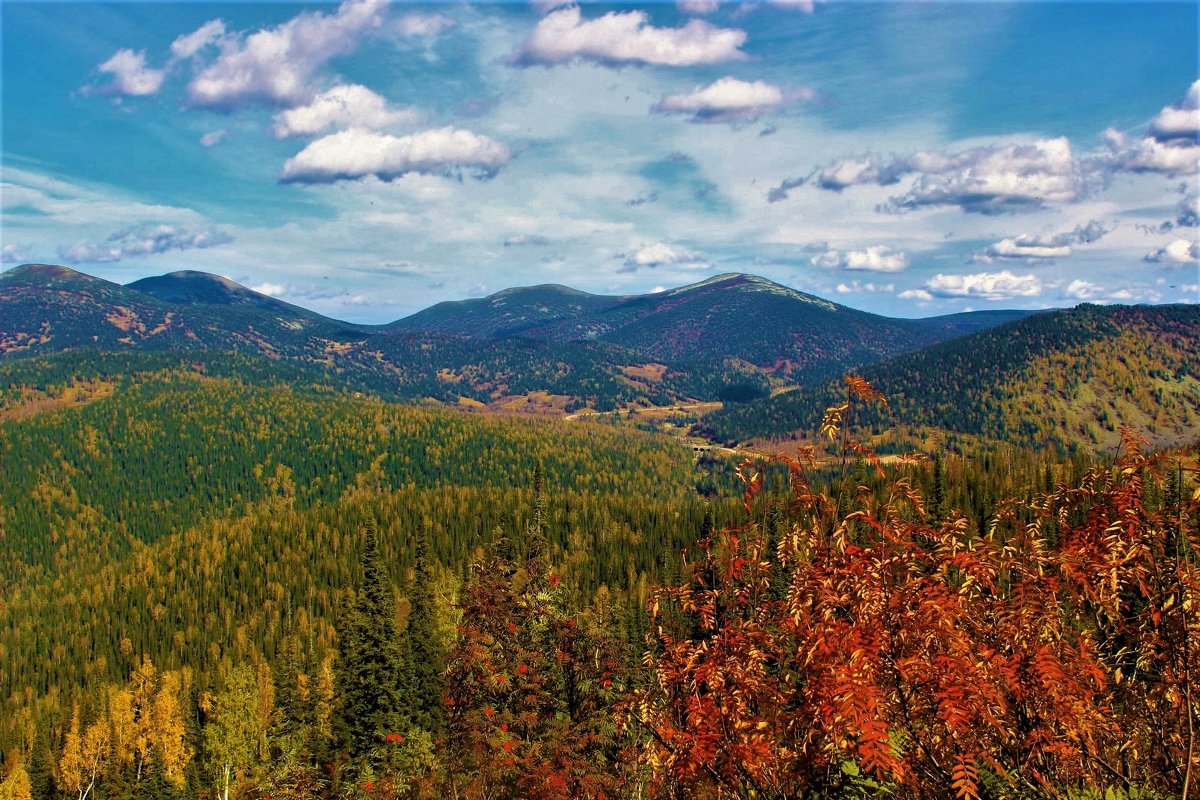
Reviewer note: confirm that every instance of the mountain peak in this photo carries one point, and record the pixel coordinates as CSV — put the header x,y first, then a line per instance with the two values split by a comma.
x,y
196,287
48,274
746,282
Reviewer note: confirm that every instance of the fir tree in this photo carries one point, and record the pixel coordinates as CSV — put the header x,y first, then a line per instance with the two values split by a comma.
x,y
369,657
937,497
425,656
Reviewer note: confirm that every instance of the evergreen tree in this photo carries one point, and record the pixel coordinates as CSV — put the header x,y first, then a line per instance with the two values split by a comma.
x,y
369,657
937,497
425,656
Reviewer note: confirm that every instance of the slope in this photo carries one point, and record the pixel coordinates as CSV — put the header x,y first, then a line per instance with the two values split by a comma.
x,y
1066,378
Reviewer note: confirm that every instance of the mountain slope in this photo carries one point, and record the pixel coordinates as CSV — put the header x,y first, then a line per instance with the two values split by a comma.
x,y
731,337
782,332
1069,378
46,310
190,287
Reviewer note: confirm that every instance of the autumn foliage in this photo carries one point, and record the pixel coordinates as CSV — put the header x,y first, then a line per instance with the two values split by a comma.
x,y
873,650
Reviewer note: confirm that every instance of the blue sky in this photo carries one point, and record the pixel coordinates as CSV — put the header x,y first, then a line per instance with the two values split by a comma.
x,y
369,159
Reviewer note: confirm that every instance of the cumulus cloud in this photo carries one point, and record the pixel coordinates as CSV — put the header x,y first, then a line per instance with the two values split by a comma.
x,y
358,153
192,43
985,180
1180,251
916,294
270,289
351,106
1179,121
1084,290
1148,154
130,74
276,65
1030,249
662,254
878,258
990,180
626,38
143,240
213,138
14,254
729,100
1169,145
1002,285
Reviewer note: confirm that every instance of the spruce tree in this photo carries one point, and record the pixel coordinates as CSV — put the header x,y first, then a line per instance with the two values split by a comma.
x,y
425,655
369,657
937,497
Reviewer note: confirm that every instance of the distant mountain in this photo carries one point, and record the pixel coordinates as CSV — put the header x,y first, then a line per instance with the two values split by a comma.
x,y
512,312
1069,378
780,331
190,287
730,337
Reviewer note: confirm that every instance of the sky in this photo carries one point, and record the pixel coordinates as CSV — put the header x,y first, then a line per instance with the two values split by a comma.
x,y
368,159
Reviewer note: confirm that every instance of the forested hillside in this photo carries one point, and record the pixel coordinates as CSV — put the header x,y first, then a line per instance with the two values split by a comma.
x,y
322,595
1069,378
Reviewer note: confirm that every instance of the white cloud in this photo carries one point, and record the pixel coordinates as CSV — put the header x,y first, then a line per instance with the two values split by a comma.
x,y
270,289
729,99
855,287
877,258
14,254
662,254
1030,249
143,240
1148,154
192,43
357,153
1084,290
984,180
423,26
626,38
213,138
1180,251
1169,144
995,179
276,65
130,74
1179,121
1002,285
916,294
351,106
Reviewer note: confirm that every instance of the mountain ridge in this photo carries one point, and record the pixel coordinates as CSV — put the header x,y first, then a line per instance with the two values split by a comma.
x,y
730,336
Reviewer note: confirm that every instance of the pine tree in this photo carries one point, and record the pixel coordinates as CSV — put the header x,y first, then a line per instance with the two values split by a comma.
x,y
369,658
937,497
425,656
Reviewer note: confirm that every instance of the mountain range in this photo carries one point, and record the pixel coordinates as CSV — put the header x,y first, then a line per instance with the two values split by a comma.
x,y
733,333
1068,377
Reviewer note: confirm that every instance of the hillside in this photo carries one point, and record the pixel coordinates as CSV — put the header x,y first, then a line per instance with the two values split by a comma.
x,y
153,466
539,349
733,319
1070,378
